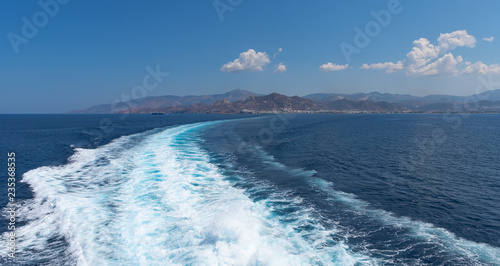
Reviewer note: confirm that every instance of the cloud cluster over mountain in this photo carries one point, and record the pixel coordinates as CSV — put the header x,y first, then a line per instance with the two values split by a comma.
x,y
249,60
427,59
424,59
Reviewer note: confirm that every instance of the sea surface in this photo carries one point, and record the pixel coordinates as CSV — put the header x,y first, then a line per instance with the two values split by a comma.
x,y
360,189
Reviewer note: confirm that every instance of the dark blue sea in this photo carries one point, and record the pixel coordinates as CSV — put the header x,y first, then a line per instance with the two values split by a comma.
x,y
360,189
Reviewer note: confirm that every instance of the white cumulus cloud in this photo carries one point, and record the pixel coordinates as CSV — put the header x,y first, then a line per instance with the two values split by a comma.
x,y
490,39
481,68
280,68
445,65
332,67
388,66
249,60
427,59
459,38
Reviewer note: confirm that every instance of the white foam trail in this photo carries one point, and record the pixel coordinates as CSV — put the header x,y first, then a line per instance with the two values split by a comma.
x,y
159,201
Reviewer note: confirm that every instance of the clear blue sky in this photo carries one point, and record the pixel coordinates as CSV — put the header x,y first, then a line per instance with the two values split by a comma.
x,y
93,52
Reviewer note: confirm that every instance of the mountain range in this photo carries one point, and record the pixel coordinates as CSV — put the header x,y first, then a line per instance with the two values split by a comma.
x,y
242,101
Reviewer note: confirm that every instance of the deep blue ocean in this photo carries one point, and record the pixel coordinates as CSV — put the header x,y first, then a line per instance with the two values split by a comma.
x,y
363,189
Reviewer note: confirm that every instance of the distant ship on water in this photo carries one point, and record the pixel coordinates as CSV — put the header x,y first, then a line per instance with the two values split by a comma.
x,y
157,113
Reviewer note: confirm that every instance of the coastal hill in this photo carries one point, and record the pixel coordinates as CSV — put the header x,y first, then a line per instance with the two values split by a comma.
x,y
275,103
241,101
162,102
409,101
